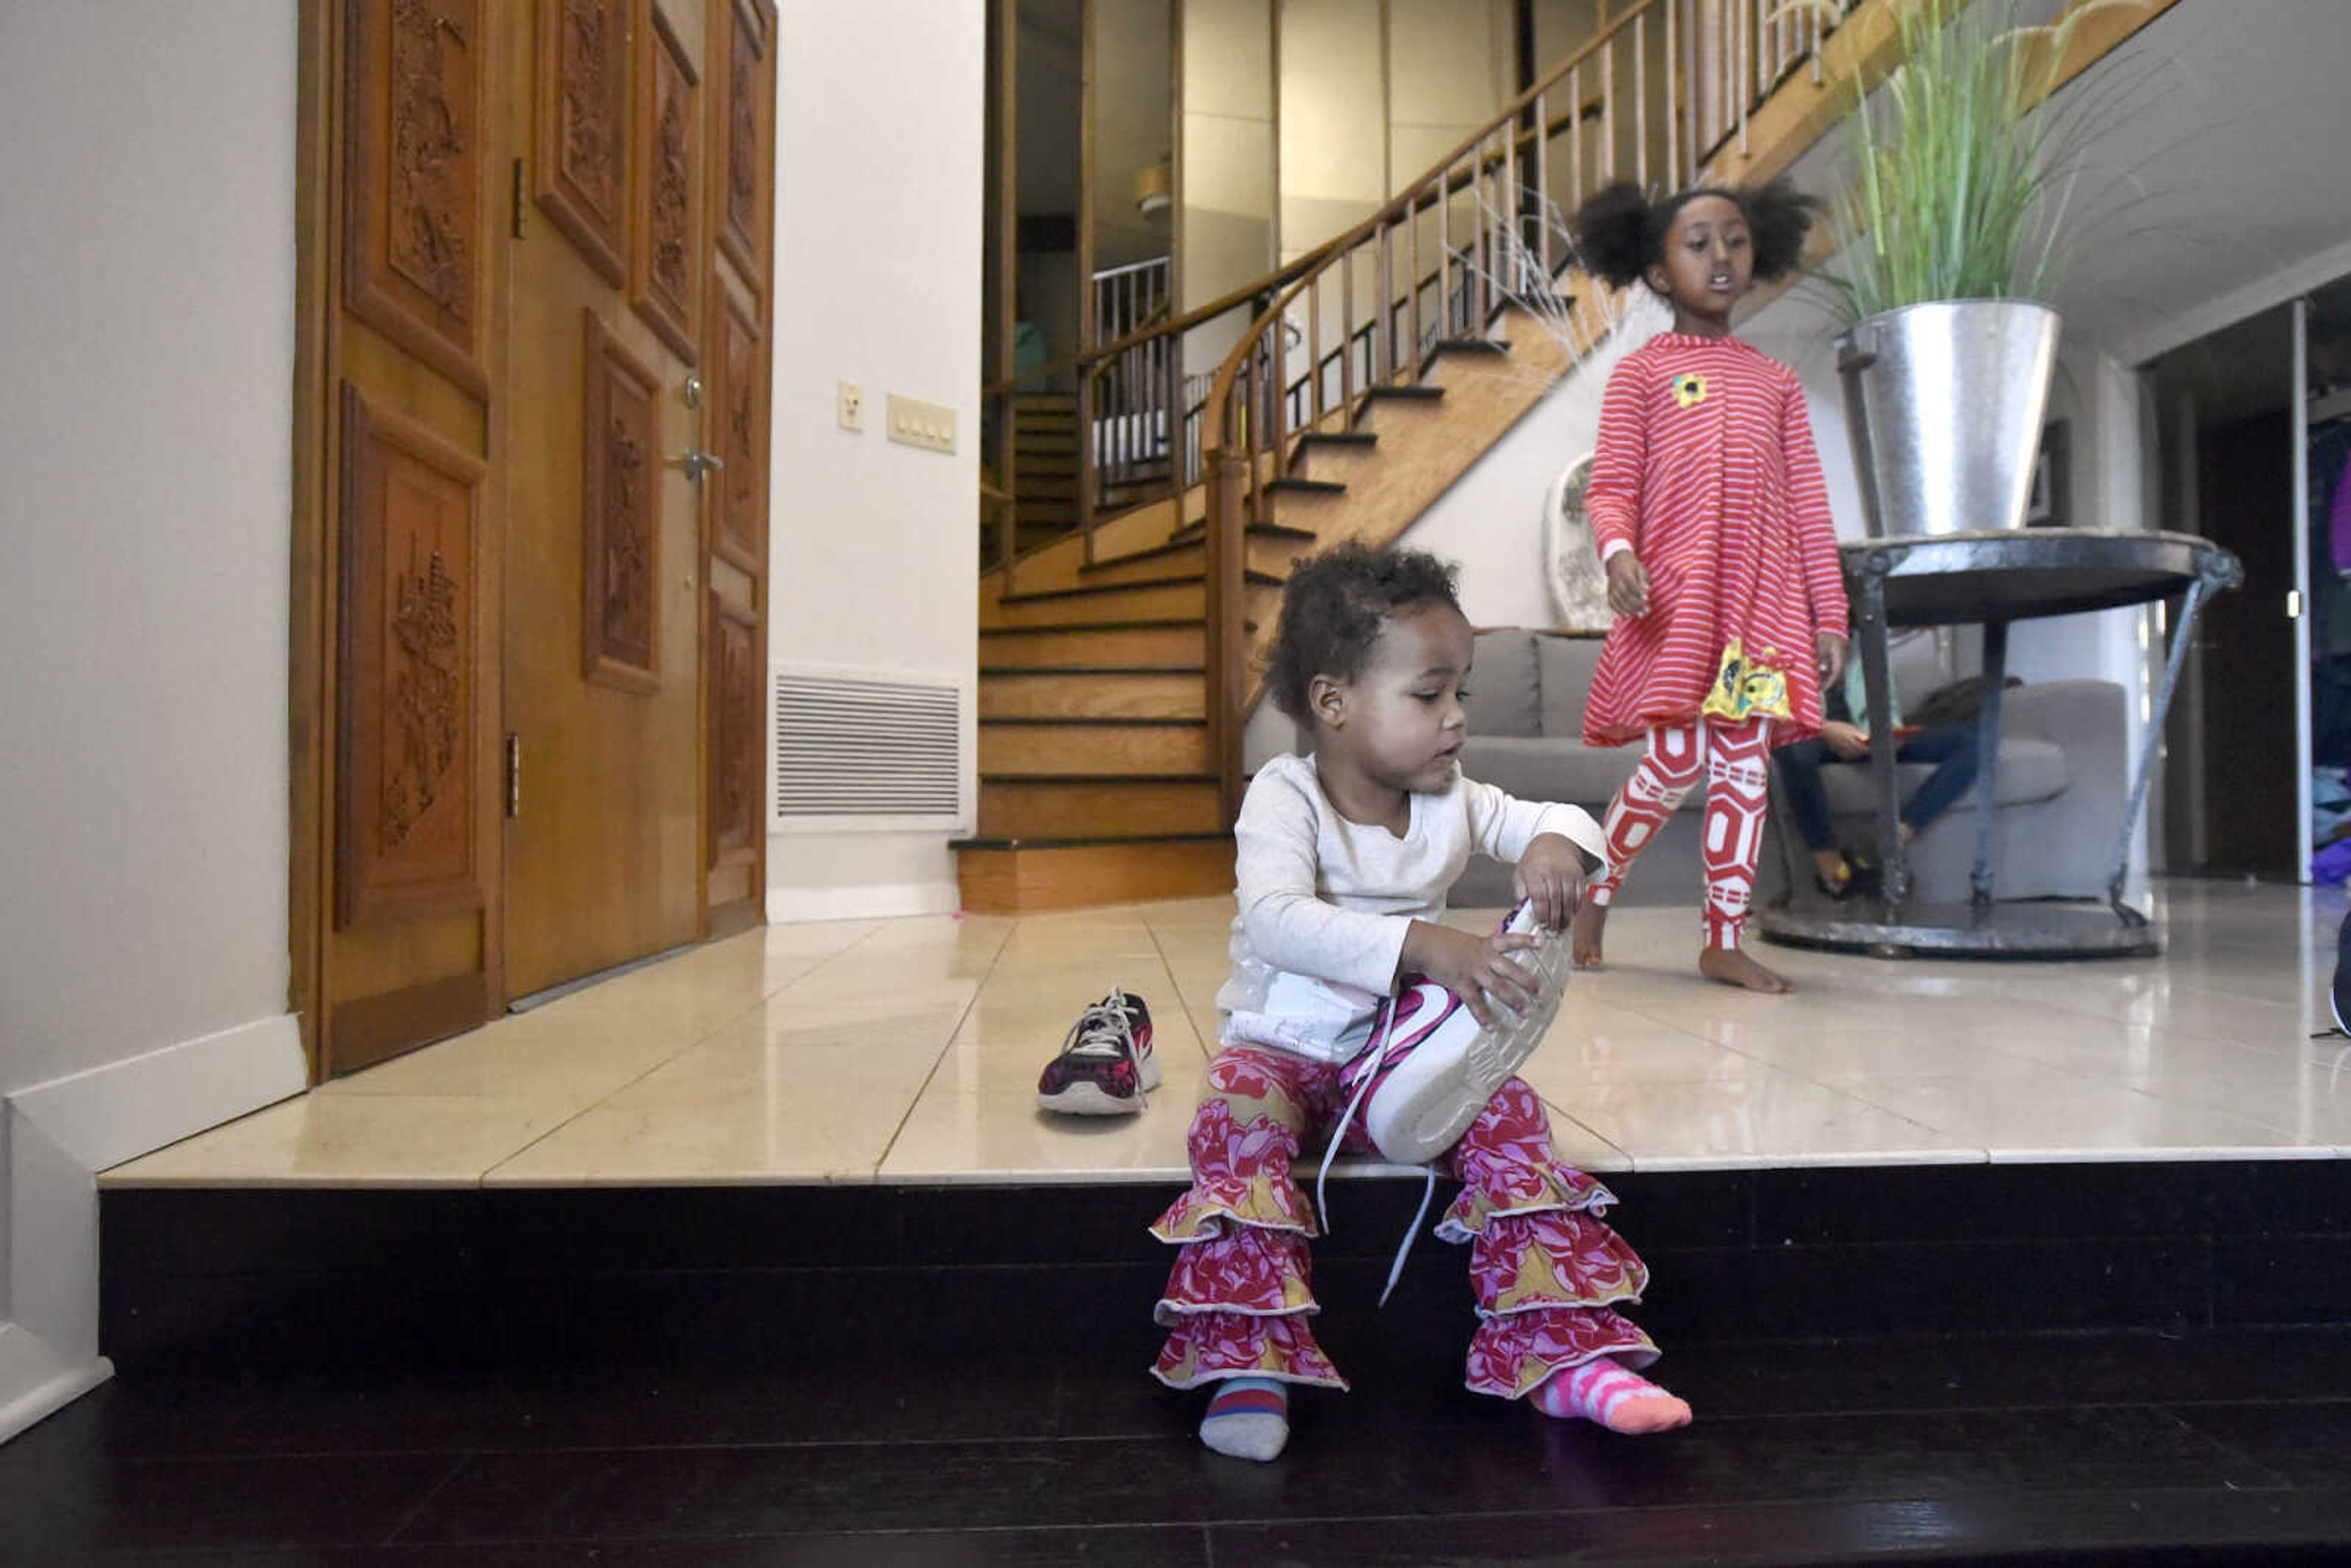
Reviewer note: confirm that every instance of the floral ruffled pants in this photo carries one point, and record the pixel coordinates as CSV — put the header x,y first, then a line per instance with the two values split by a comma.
x,y
1547,1269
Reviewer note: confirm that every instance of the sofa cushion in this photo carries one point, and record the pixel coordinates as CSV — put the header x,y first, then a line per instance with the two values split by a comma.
x,y
2029,770
1564,665
1502,695
1542,768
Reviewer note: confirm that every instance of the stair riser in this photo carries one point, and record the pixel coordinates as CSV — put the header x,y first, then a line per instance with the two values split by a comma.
x,y
1022,882
1046,751
1096,810
1178,602
1093,696
1047,650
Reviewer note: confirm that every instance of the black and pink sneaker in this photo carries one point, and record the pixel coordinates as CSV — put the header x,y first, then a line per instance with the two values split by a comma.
x,y
1428,1068
1106,1068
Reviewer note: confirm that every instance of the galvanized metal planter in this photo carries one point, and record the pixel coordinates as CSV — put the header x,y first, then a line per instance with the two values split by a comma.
x,y
1944,404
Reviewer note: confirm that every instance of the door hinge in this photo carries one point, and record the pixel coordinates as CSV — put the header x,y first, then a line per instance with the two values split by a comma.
x,y
517,198
2294,604
514,775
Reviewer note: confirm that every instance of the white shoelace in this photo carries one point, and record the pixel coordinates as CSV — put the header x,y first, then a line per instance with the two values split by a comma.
x,y
1105,1030
1339,1136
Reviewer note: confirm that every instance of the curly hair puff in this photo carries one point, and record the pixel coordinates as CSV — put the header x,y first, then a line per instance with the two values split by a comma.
x,y
1620,233
1331,609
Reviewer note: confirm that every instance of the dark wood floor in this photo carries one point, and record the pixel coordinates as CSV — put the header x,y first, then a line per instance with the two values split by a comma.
x,y
2133,1447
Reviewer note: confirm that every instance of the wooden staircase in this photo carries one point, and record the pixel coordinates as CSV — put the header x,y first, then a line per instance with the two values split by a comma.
x,y
1102,774
1096,781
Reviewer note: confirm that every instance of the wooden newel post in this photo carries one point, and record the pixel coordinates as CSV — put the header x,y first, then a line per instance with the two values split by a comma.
x,y
1228,635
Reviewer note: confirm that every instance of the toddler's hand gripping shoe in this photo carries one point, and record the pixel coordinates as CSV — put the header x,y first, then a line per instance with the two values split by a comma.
x,y
1430,1068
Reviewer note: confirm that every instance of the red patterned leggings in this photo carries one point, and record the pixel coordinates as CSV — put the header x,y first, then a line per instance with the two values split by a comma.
x,y
1546,1268
1736,761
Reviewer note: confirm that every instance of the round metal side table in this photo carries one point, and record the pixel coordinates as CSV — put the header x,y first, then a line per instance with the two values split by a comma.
x,y
1994,579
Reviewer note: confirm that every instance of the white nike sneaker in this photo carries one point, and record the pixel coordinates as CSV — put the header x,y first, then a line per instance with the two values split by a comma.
x,y
1430,1068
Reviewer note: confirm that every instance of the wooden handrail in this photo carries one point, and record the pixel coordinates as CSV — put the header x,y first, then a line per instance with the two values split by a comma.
x,y
1736,52
1420,193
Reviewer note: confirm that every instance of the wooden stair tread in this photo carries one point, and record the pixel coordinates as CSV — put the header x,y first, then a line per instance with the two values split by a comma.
x,y
1082,626
1098,588
1290,485
1123,720
1090,841
1409,393
1028,779
1014,672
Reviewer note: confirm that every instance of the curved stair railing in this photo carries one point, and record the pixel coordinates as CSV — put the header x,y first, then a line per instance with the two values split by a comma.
x,y
1652,97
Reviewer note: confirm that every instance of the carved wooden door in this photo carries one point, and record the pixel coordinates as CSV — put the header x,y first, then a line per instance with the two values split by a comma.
x,y
398,926
605,411
734,564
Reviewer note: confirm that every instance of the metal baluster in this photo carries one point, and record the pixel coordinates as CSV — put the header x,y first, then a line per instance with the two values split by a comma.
x,y
1281,423
1608,108
1347,333
1543,191
1641,100
1444,235
1314,353
1673,93
1412,276
1741,68
1574,138
1384,344
1515,209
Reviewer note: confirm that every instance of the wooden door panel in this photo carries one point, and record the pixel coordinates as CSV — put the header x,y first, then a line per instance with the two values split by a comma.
x,y
738,413
409,543
666,266
741,310
408,754
738,680
603,673
620,544
579,146
412,180
746,143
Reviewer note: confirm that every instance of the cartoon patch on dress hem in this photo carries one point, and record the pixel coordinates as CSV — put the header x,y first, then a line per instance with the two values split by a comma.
x,y
1748,688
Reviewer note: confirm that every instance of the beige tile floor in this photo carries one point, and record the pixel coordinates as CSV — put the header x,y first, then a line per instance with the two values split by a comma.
x,y
907,1050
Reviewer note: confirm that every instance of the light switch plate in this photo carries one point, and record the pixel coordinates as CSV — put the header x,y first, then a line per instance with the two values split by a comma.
x,y
925,424
852,406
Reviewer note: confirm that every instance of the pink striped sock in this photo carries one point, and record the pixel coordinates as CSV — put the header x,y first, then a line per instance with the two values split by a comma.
x,y
1600,1390
1248,1418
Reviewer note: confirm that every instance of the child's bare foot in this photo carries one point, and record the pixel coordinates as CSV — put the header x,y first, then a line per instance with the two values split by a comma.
x,y
1733,966
1591,922
1605,1391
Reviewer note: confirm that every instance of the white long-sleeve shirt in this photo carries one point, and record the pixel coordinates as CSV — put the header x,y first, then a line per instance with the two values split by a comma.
x,y
1324,903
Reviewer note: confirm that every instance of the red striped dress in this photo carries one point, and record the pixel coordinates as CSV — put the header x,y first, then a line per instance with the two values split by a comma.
x,y
1705,468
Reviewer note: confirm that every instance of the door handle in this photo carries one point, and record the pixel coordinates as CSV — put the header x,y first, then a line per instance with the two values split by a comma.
x,y
697,463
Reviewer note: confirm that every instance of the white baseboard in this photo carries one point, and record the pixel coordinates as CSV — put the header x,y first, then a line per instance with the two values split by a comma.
x,y
60,1135
36,1383
877,901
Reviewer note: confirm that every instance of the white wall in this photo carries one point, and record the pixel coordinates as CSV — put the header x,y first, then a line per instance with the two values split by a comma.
x,y
875,560
147,322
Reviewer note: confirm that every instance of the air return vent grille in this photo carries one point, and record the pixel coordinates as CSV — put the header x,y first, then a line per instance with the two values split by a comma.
x,y
859,749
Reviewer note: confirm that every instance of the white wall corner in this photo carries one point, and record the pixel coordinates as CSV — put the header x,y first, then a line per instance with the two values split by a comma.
x,y
59,1135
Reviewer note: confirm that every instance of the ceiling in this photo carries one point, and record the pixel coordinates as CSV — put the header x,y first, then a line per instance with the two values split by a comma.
x,y
2222,161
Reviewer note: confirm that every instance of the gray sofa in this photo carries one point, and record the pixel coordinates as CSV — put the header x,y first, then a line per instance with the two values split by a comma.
x,y
2063,780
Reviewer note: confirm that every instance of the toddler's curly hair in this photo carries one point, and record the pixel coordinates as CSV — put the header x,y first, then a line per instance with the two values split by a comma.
x,y
1620,233
1331,609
